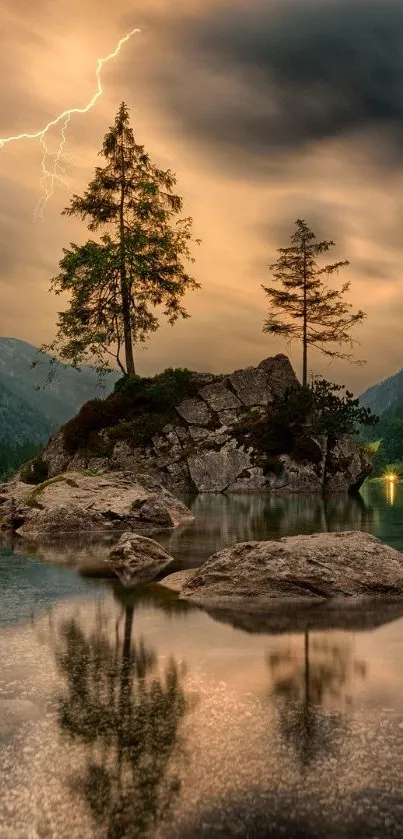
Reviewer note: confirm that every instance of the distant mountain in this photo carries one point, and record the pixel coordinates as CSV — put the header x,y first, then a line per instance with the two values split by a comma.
x,y
384,395
30,408
21,421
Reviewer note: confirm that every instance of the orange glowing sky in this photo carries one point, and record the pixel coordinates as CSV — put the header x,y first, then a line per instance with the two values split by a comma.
x,y
246,169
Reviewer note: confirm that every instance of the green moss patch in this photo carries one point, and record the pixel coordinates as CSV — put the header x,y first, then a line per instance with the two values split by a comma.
x,y
32,500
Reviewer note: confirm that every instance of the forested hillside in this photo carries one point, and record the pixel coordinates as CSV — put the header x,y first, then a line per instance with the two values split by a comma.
x,y
382,396
386,400
61,398
31,408
389,433
20,420
13,456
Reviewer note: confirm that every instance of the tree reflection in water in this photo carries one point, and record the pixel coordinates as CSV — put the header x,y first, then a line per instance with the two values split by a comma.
x,y
309,691
127,714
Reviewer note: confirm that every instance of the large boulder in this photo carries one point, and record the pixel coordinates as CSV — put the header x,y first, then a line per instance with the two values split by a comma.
x,y
137,559
75,502
297,568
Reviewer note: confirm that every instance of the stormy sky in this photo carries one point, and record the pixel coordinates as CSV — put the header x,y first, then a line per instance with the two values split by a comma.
x,y
267,110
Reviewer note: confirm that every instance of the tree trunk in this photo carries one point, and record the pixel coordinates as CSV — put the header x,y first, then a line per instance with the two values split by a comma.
x,y
127,642
305,333
125,688
305,359
124,288
307,674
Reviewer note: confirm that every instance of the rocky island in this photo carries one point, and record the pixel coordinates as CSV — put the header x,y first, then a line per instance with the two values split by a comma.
x,y
198,432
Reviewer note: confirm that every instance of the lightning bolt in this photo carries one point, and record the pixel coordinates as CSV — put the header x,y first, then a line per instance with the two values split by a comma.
x,y
53,170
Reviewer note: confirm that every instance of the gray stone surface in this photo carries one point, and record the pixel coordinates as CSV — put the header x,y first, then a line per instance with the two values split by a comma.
x,y
317,567
74,502
347,466
252,386
296,477
166,448
177,580
136,559
279,373
252,480
219,397
228,418
182,433
214,471
56,456
196,433
126,458
194,411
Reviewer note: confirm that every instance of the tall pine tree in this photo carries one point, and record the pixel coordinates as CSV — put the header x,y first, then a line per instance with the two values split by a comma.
x,y
139,263
303,307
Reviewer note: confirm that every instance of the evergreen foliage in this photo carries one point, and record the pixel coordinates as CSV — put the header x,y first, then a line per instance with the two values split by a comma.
x,y
325,407
295,419
138,409
302,307
116,284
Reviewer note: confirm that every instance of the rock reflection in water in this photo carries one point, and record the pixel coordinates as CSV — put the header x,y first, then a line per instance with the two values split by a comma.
x,y
222,520
311,689
126,712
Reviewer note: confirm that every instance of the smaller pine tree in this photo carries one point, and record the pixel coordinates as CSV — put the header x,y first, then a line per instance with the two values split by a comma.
x,y
303,307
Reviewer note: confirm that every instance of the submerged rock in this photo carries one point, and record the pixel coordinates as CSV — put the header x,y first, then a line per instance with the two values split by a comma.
x,y
137,559
76,502
297,568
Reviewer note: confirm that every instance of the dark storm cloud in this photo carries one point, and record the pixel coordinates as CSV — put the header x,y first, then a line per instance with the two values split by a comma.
x,y
317,209
286,73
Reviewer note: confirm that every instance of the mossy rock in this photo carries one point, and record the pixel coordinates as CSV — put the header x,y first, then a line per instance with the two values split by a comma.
x,y
34,472
32,500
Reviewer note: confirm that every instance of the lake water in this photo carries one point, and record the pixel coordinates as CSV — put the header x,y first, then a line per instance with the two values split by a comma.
x,y
126,715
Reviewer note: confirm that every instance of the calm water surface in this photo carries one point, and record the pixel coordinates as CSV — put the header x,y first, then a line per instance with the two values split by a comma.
x,y
136,715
